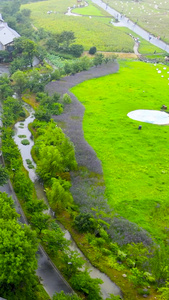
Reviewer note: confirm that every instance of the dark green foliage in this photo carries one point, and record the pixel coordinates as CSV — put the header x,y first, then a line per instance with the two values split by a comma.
x,y
40,221
90,287
72,263
85,222
5,88
54,151
18,248
11,111
76,50
3,175
54,239
92,50
25,142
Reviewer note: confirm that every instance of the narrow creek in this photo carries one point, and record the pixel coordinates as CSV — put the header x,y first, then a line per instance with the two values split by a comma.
x,y
21,128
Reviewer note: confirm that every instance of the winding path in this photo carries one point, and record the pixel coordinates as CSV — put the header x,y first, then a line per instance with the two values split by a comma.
x,y
90,172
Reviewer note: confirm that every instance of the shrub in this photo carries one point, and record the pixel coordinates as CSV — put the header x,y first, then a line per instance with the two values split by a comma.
x,y
25,142
85,222
89,286
92,50
66,99
22,136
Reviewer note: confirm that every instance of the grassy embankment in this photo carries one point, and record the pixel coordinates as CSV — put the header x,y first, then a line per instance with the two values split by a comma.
x,y
135,163
151,15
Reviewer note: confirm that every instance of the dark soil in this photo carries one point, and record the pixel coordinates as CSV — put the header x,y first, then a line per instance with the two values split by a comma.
x,y
87,183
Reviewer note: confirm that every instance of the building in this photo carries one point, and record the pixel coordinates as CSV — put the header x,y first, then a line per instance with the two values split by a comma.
x,y
7,35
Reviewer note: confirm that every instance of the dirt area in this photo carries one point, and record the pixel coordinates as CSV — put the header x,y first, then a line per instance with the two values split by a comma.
x,y
87,183
119,54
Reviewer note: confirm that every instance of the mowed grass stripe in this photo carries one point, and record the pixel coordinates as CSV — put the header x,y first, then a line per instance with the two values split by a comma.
x,y
135,162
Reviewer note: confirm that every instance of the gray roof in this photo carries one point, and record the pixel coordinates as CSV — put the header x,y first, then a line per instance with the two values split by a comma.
x,y
7,34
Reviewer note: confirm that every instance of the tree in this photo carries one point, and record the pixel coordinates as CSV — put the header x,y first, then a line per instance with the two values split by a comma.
x,y
40,221
3,175
54,240
72,262
18,249
76,50
82,281
66,38
7,210
92,50
98,59
26,47
20,81
85,222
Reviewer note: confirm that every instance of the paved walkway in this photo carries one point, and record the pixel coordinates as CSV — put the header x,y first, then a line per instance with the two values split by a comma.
x,y
124,21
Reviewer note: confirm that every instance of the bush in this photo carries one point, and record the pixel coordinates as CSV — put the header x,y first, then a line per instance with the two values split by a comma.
x,y
85,222
66,99
25,142
89,286
92,50
76,50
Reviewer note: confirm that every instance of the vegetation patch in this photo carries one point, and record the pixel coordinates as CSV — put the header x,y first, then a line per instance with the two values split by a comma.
x,y
21,136
136,189
25,142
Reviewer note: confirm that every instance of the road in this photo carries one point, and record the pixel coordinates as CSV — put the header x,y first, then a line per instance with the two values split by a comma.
x,y
124,21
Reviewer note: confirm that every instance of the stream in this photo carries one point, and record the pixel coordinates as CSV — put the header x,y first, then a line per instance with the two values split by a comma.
x,y
21,128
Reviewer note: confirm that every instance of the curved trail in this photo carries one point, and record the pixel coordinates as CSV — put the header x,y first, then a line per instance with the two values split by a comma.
x,y
87,183
73,113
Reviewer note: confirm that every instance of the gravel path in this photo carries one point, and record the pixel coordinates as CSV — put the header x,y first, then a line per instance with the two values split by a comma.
x,y
87,183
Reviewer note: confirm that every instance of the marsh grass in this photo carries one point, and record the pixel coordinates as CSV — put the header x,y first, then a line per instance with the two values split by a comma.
x,y
135,162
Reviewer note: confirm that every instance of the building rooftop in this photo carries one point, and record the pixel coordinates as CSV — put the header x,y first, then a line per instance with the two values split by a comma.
x,y
7,34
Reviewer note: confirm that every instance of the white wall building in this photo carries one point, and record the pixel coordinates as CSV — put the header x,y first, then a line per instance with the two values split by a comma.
x,y
7,34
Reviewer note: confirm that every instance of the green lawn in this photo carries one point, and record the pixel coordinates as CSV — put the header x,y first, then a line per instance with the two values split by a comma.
x,y
91,10
135,162
88,31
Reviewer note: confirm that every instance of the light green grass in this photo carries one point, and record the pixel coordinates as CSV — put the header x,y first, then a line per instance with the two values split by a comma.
x,y
91,10
88,32
147,16
135,162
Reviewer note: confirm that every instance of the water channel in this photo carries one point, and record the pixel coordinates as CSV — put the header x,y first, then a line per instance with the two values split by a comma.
x,y
21,128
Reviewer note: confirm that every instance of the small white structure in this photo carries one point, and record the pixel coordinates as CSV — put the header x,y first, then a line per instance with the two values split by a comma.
x,y
7,34
149,116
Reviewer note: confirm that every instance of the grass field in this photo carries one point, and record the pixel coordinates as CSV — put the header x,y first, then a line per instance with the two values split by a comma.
x,y
151,15
89,32
135,162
